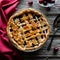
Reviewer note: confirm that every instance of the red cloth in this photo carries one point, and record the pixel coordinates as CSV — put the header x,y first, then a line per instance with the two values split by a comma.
x,y
7,51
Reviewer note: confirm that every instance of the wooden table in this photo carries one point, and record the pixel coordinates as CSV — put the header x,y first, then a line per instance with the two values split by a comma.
x,y
42,53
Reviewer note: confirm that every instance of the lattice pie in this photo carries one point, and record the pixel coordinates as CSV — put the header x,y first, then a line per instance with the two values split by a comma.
x,y
28,29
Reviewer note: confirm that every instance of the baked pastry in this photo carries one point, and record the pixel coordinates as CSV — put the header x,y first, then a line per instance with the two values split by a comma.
x,y
28,30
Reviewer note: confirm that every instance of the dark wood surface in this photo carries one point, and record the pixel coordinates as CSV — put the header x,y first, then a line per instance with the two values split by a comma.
x,y
42,53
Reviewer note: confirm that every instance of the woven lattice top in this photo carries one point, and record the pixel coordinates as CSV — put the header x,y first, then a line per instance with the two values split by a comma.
x,y
28,29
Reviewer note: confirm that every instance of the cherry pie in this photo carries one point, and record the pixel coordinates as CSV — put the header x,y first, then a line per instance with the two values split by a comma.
x,y
28,30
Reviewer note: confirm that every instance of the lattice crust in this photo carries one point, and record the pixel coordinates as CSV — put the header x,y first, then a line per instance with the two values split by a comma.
x,y
28,29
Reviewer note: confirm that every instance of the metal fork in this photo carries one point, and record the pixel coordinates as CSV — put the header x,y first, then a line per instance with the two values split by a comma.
x,y
56,26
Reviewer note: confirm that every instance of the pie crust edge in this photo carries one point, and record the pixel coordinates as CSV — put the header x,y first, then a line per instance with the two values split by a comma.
x,y
16,44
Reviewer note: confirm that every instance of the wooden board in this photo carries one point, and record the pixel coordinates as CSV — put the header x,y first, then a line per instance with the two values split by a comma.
x,y
42,53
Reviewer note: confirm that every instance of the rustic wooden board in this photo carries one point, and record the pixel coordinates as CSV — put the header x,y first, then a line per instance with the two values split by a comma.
x,y
42,53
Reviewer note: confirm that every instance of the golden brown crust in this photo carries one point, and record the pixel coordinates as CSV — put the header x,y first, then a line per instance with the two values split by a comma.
x,y
42,37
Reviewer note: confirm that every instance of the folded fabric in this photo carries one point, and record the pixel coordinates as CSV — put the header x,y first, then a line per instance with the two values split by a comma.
x,y
7,51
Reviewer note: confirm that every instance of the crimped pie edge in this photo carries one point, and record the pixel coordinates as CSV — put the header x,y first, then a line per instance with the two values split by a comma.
x,y
15,43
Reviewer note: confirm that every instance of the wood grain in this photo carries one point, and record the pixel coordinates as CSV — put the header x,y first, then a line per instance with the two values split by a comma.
x,y
51,15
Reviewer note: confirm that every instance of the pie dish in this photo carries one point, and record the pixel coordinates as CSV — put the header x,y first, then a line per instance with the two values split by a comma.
x,y
48,5
28,30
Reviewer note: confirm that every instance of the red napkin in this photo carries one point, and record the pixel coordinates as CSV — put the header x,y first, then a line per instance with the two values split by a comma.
x,y
7,51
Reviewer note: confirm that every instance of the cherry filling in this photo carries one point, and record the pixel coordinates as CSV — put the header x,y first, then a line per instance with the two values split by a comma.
x,y
40,32
46,30
34,16
15,40
20,16
38,16
26,31
22,38
31,39
45,25
35,20
29,22
11,30
33,28
42,36
41,26
33,45
26,14
41,19
21,21
18,26
45,36
36,38
27,36
11,26
25,43
43,31
38,27
28,19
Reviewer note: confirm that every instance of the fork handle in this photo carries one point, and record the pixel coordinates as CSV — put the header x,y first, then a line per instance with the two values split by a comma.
x,y
49,46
